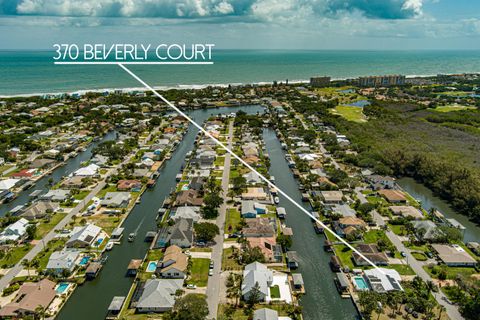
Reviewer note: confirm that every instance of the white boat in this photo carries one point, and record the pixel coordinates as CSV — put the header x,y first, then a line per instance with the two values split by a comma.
x,y
276,200
109,246
131,237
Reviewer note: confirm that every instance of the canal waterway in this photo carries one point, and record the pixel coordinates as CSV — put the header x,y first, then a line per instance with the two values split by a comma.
x,y
429,200
322,301
91,300
70,166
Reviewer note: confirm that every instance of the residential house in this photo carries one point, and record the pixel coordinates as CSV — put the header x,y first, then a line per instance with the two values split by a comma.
x,y
267,314
454,255
426,229
349,227
407,212
378,182
197,183
259,227
129,185
189,198
252,178
186,212
250,209
269,247
332,197
63,260
29,297
254,194
99,160
174,263
383,280
24,174
89,171
343,210
40,210
56,195
14,232
181,233
116,199
42,164
393,196
158,295
256,274
371,252
8,184
83,236
75,182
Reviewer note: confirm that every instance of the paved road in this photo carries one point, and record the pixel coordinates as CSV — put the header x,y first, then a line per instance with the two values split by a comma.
x,y
215,281
416,265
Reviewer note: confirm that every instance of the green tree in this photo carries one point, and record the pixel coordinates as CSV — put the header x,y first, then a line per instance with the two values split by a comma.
x,y
31,231
254,295
206,231
190,307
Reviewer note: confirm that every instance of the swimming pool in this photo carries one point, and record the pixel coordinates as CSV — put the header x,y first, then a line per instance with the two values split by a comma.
x,y
185,187
152,266
84,261
360,283
62,287
99,242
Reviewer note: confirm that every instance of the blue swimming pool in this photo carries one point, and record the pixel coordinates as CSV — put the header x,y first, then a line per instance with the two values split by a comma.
x,y
152,266
84,261
62,286
360,283
99,242
185,187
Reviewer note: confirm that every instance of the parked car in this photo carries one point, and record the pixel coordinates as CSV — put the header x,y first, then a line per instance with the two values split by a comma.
x,y
210,272
191,286
211,264
403,254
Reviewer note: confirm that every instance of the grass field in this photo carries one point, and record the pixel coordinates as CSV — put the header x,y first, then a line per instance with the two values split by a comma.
x,y
453,107
14,255
199,272
403,269
420,256
44,227
232,221
452,272
228,262
275,292
350,113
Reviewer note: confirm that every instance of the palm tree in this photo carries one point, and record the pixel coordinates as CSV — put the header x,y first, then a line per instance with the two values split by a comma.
x,y
442,309
26,265
40,312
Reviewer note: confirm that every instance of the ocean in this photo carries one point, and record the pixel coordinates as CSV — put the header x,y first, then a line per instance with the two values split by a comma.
x,y
31,72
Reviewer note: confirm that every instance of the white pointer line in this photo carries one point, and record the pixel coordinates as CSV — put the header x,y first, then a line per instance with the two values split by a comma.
x,y
133,62
245,164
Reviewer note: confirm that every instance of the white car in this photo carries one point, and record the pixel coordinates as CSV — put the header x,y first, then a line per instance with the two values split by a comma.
x,y
191,286
210,272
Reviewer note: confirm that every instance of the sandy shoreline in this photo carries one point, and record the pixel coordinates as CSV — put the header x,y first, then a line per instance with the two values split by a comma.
x,y
177,87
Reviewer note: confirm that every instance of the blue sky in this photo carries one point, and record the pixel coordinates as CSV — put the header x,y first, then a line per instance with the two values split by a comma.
x,y
244,24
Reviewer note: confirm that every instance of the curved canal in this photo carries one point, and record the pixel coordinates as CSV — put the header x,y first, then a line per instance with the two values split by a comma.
x,y
42,184
429,200
321,300
91,300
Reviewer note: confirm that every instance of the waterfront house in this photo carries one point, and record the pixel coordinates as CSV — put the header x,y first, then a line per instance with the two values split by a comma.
x,y
406,212
426,230
259,227
116,199
14,232
62,260
141,172
268,246
42,164
186,212
129,185
252,178
343,210
268,314
100,160
393,196
158,295
332,197
8,184
250,209
454,255
56,195
197,183
40,209
188,197
174,263
181,233
254,193
253,274
24,174
29,297
383,280
89,171
83,236
371,252
75,182
378,182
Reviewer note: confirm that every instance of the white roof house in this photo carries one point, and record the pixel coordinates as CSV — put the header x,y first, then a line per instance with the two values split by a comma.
x,y
187,212
158,295
88,171
116,199
7,184
383,280
83,236
56,195
256,273
14,231
63,260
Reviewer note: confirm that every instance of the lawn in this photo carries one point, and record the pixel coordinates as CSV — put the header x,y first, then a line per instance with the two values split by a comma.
x,y
45,226
420,256
14,255
398,229
452,272
350,113
275,292
43,256
228,261
403,269
232,221
81,195
109,188
199,272
453,107
239,313
105,221
345,255
219,161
